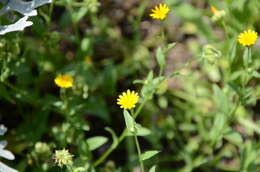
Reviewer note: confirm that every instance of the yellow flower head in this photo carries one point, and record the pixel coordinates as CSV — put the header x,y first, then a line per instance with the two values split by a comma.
x,y
160,11
88,59
128,99
217,14
213,10
248,37
64,81
62,157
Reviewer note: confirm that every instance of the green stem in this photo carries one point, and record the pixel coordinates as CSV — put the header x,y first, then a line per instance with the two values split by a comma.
x,y
225,29
139,152
247,58
120,139
137,112
63,97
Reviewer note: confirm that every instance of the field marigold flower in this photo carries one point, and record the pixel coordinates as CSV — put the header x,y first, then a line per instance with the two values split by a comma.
x,y
62,157
64,81
160,12
128,99
248,37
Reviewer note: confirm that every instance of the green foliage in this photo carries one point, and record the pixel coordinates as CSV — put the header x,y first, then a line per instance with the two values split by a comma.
x,y
129,121
148,154
96,142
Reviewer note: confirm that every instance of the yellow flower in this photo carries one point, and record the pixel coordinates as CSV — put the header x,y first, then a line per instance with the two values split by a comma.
x,y
62,157
160,11
128,99
217,14
64,81
88,59
248,37
213,10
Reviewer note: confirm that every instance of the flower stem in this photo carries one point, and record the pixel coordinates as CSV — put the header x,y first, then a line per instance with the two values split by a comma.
x,y
139,153
225,29
121,137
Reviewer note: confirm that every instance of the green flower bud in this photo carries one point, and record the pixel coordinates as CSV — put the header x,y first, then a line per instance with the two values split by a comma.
x,y
41,148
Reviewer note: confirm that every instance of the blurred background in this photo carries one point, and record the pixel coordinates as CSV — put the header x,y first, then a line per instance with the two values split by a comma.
x,y
108,44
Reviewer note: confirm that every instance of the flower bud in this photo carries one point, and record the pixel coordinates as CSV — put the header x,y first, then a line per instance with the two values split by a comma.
x,y
41,148
62,157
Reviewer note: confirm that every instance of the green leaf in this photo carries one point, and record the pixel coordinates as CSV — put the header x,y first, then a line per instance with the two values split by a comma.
x,y
96,142
217,128
169,47
249,124
79,14
152,169
233,137
129,121
85,44
232,51
148,154
140,131
235,88
248,157
149,76
160,58
221,100
247,56
256,74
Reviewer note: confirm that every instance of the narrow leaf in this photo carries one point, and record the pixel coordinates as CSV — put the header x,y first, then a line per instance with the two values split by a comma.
x,y
256,74
129,121
233,137
169,47
148,154
152,169
140,131
218,127
160,58
232,51
96,142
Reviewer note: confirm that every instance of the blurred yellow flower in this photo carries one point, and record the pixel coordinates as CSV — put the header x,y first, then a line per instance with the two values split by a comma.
x,y
217,14
64,81
248,37
88,59
160,12
62,157
213,10
128,99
